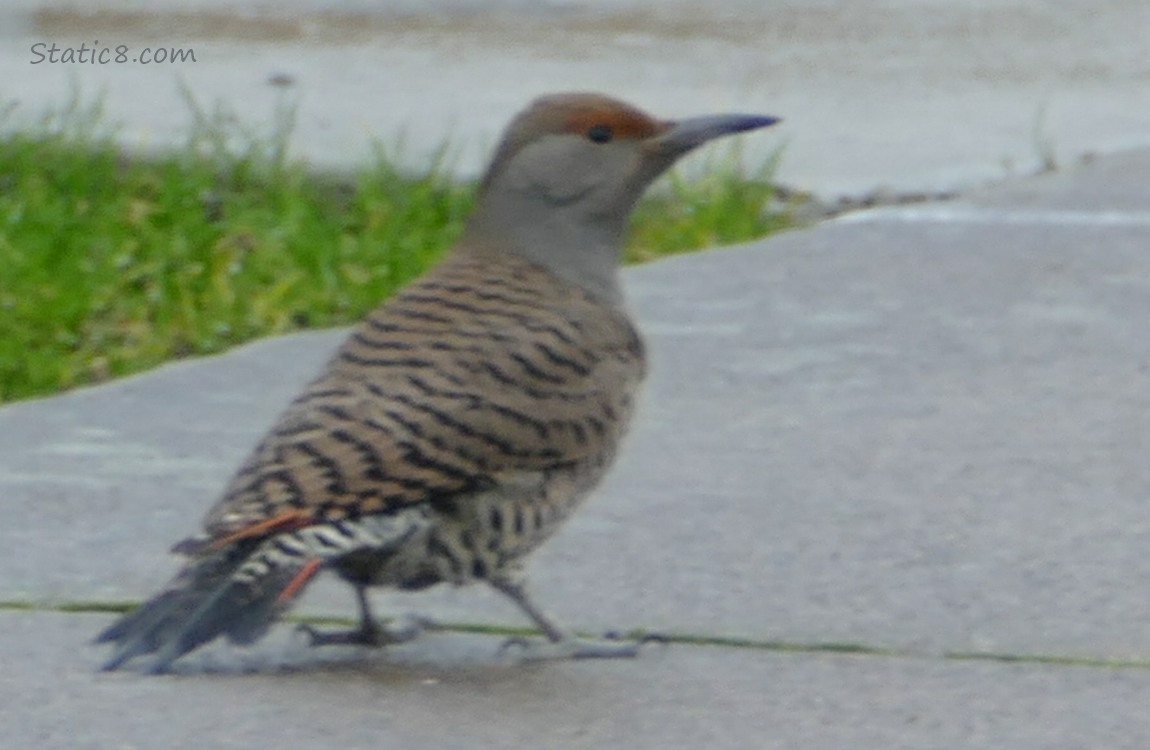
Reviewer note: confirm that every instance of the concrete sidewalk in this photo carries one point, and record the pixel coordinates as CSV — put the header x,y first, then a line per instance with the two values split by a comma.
x,y
917,433
920,430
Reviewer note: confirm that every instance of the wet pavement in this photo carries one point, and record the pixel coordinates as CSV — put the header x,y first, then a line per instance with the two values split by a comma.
x,y
916,433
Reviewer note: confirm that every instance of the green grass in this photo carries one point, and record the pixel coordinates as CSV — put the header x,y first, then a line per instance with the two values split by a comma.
x,y
112,262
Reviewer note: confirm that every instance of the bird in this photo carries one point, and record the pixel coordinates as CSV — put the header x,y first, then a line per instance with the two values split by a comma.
x,y
462,421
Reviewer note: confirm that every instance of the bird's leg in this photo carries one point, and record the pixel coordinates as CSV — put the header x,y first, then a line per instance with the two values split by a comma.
x,y
560,643
370,632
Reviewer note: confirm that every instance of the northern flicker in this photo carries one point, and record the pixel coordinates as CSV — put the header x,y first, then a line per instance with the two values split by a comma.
x,y
463,419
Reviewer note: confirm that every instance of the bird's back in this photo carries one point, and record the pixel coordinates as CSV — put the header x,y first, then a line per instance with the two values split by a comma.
x,y
486,372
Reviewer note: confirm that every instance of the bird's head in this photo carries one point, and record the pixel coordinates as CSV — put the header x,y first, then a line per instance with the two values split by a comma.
x,y
569,169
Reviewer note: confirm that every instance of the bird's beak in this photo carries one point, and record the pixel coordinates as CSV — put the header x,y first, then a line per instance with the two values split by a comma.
x,y
683,135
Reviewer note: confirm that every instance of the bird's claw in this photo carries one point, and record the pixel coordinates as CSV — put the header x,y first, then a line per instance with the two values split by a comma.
x,y
514,641
358,637
641,639
397,630
659,638
575,648
313,635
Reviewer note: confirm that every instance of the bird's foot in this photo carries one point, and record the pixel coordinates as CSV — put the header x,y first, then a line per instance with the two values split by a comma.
x,y
371,633
570,647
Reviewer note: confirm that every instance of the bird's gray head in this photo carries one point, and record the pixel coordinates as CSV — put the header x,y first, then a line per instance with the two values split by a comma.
x,y
567,173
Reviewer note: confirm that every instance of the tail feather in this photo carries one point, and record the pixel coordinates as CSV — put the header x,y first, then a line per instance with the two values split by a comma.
x,y
161,620
240,609
240,590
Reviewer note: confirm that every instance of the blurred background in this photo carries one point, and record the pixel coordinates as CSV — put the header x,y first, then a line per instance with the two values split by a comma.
x,y
893,96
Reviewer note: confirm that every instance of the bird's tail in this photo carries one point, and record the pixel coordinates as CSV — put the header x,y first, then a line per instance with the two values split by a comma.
x,y
239,590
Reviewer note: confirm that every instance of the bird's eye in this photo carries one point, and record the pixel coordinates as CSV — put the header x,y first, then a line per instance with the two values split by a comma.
x,y
600,133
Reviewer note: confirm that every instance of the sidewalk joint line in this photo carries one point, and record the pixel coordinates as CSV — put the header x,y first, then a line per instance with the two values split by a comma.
x,y
685,639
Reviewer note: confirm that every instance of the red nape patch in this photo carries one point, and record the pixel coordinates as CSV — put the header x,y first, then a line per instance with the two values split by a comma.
x,y
624,122
287,521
